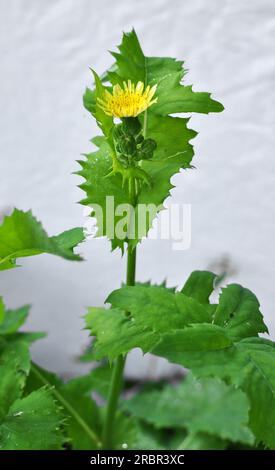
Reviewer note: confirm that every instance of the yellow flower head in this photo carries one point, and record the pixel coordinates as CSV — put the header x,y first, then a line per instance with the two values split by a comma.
x,y
128,101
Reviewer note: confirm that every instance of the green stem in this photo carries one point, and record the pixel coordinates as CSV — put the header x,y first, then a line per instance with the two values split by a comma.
x,y
131,267
113,397
145,124
67,406
117,373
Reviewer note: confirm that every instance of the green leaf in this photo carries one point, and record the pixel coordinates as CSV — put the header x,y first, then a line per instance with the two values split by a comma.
x,y
90,102
8,264
167,73
2,311
104,192
156,312
249,364
67,241
182,330
87,410
28,423
14,345
163,310
200,406
239,312
173,153
116,334
11,385
164,129
15,348
150,438
33,423
39,377
80,411
12,320
132,434
202,441
157,307
125,432
176,98
28,337
98,380
199,286
22,235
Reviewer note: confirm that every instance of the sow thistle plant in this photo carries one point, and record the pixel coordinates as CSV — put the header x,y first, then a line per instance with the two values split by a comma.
x,y
226,400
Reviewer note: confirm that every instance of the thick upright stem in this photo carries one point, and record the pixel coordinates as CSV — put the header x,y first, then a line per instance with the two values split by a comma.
x,y
131,267
117,373
113,397
131,254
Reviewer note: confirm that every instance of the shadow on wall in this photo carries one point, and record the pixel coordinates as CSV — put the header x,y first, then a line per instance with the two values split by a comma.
x,y
224,267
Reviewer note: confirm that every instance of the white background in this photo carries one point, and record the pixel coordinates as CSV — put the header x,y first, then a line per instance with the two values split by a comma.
x,y
46,49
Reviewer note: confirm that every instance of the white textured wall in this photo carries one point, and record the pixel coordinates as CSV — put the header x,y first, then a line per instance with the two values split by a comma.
x,y
46,48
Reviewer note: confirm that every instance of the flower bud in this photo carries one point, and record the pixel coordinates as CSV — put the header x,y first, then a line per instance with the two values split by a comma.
x,y
127,145
131,125
139,139
118,132
146,149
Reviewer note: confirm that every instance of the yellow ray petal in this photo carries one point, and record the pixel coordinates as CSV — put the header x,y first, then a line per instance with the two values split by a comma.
x,y
130,100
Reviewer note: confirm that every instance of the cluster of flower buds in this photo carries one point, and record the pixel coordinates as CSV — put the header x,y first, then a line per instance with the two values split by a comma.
x,y
131,147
